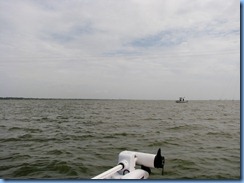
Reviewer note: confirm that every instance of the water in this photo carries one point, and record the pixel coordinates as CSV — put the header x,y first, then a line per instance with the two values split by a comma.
x,y
79,139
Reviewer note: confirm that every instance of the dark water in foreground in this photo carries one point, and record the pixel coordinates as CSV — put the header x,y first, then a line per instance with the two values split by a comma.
x,y
82,138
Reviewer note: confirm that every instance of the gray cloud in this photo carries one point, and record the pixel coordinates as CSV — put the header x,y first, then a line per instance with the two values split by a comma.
x,y
120,49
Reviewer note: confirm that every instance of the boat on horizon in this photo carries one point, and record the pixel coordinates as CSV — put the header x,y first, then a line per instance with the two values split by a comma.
x,y
181,100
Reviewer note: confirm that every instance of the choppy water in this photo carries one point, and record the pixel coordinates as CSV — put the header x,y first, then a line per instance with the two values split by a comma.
x,y
82,138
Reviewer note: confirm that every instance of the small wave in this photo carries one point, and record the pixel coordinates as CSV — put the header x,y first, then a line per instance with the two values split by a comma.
x,y
152,119
171,143
109,136
44,118
210,119
14,128
62,117
19,138
25,170
86,136
185,127
79,117
216,134
61,167
26,136
184,164
55,152
32,130
121,134
182,127
176,127
10,140
5,158
155,144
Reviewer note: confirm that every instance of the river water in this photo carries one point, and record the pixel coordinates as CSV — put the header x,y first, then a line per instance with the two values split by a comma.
x,y
79,139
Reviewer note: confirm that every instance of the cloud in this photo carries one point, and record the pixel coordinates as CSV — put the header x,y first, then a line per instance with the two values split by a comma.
x,y
119,49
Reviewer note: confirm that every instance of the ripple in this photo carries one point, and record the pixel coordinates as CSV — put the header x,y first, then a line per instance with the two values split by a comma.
x,y
60,139
55,152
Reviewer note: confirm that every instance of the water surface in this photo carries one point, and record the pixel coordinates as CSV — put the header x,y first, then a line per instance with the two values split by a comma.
x,y
78,139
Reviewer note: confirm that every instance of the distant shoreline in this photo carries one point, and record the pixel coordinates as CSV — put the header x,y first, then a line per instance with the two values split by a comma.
x,y
27,98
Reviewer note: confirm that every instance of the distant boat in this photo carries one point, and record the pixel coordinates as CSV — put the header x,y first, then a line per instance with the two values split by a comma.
x,y
181,100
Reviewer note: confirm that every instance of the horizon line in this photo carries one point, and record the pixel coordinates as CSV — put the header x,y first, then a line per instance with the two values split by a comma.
x,y
52,98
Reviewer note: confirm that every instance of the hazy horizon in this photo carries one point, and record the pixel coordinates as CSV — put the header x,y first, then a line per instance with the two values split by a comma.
x,y
27,98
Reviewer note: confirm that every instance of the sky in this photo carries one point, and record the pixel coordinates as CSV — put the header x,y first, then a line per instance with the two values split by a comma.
x,y
123,49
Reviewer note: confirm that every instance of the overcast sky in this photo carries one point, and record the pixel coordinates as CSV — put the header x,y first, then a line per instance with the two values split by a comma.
x,y
120,49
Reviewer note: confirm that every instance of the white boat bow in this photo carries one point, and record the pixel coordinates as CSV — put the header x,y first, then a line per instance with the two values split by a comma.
x,y
126,168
